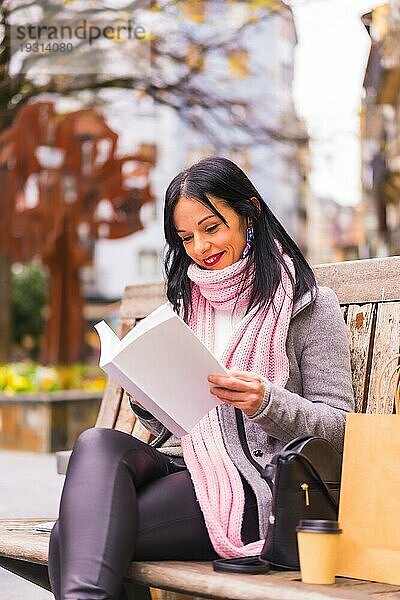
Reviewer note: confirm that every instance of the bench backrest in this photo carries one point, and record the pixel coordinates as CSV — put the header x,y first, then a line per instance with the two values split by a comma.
x,y
369,294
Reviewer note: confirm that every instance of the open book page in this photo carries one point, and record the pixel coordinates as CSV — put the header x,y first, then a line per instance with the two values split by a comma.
x,y
162,313
146,401
165,368
110,342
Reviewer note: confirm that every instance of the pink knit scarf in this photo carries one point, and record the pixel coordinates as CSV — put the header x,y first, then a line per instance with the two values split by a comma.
x,y
258,344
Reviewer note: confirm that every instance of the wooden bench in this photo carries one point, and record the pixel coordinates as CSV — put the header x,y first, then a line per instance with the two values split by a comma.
x,y
369,293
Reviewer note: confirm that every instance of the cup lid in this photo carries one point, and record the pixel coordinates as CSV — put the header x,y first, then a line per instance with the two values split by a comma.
x,y
318,526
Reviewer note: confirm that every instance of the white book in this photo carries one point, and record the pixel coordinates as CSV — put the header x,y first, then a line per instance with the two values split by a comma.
x,y
164,366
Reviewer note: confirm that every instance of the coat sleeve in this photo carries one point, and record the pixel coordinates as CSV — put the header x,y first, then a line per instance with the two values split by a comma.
x,y
326,380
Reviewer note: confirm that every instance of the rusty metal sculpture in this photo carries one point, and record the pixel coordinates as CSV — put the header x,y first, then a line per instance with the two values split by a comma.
x,y
63,185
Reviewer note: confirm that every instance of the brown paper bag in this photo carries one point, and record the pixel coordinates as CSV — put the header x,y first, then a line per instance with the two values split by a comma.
x,y
369,508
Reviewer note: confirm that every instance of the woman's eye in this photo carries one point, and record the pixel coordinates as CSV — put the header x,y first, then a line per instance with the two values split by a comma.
x,y
211,229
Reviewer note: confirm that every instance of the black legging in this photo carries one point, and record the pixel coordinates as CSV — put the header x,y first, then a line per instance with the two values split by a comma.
x,y
123,499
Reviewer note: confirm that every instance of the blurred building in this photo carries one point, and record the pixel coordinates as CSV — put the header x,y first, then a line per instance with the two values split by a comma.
x,y
258,71
380,132
335,231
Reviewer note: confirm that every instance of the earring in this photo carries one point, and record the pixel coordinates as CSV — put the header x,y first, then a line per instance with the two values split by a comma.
x,y
249,240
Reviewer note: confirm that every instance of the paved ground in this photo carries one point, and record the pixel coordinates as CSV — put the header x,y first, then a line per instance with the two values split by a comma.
x,y
29,487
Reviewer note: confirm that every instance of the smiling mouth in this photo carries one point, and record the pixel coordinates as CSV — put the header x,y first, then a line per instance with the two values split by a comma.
x,y
212,260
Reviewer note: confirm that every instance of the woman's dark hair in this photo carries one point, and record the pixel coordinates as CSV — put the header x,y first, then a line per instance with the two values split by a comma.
x,y
222,179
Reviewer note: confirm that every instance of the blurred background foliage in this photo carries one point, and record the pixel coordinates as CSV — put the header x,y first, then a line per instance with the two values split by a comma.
x,y
30,288
32,377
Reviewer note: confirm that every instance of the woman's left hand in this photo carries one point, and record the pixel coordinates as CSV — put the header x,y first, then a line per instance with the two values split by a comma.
x,y
242,389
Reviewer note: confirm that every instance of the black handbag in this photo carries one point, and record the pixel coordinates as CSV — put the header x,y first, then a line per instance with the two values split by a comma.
x,y
306,482
304,478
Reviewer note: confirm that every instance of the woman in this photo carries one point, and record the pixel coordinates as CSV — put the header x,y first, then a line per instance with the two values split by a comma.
x,y
242,284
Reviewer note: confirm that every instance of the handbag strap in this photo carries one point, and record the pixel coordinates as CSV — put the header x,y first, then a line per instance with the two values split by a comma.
x,y
252,565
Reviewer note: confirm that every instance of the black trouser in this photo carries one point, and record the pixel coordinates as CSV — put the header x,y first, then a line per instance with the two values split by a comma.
x,y
123,499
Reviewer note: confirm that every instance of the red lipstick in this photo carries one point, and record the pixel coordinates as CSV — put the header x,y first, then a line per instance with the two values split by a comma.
x,y
213,259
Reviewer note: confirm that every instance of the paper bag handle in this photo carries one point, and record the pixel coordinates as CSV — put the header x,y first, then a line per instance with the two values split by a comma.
x,y
394,378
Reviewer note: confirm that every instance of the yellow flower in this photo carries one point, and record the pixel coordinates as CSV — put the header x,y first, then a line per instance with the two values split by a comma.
x,y
30,377
94,385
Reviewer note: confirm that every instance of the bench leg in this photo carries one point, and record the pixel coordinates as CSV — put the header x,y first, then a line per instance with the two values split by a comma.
x,y
169,595
33,572
134,591
139,592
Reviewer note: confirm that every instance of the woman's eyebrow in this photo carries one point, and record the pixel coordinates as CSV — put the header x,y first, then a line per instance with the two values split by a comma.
x,y
199,223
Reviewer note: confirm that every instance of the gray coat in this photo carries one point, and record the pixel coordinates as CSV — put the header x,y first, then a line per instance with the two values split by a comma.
x,y
315,400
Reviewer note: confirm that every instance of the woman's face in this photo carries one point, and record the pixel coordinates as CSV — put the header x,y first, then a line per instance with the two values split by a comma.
x,y
206,239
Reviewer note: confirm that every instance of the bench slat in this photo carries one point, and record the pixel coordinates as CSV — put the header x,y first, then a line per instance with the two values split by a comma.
x,y
357,281
126,417
110,405
19,540
112,400
126,324
140,300
140,432
386,345
277,585
360,321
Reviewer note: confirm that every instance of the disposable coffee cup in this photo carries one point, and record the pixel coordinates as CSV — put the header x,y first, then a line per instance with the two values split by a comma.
x,y
318,544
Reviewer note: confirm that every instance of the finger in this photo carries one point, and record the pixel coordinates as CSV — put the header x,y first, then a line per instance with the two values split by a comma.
x,y
229,396
245,375
234,383
251,385
222,379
